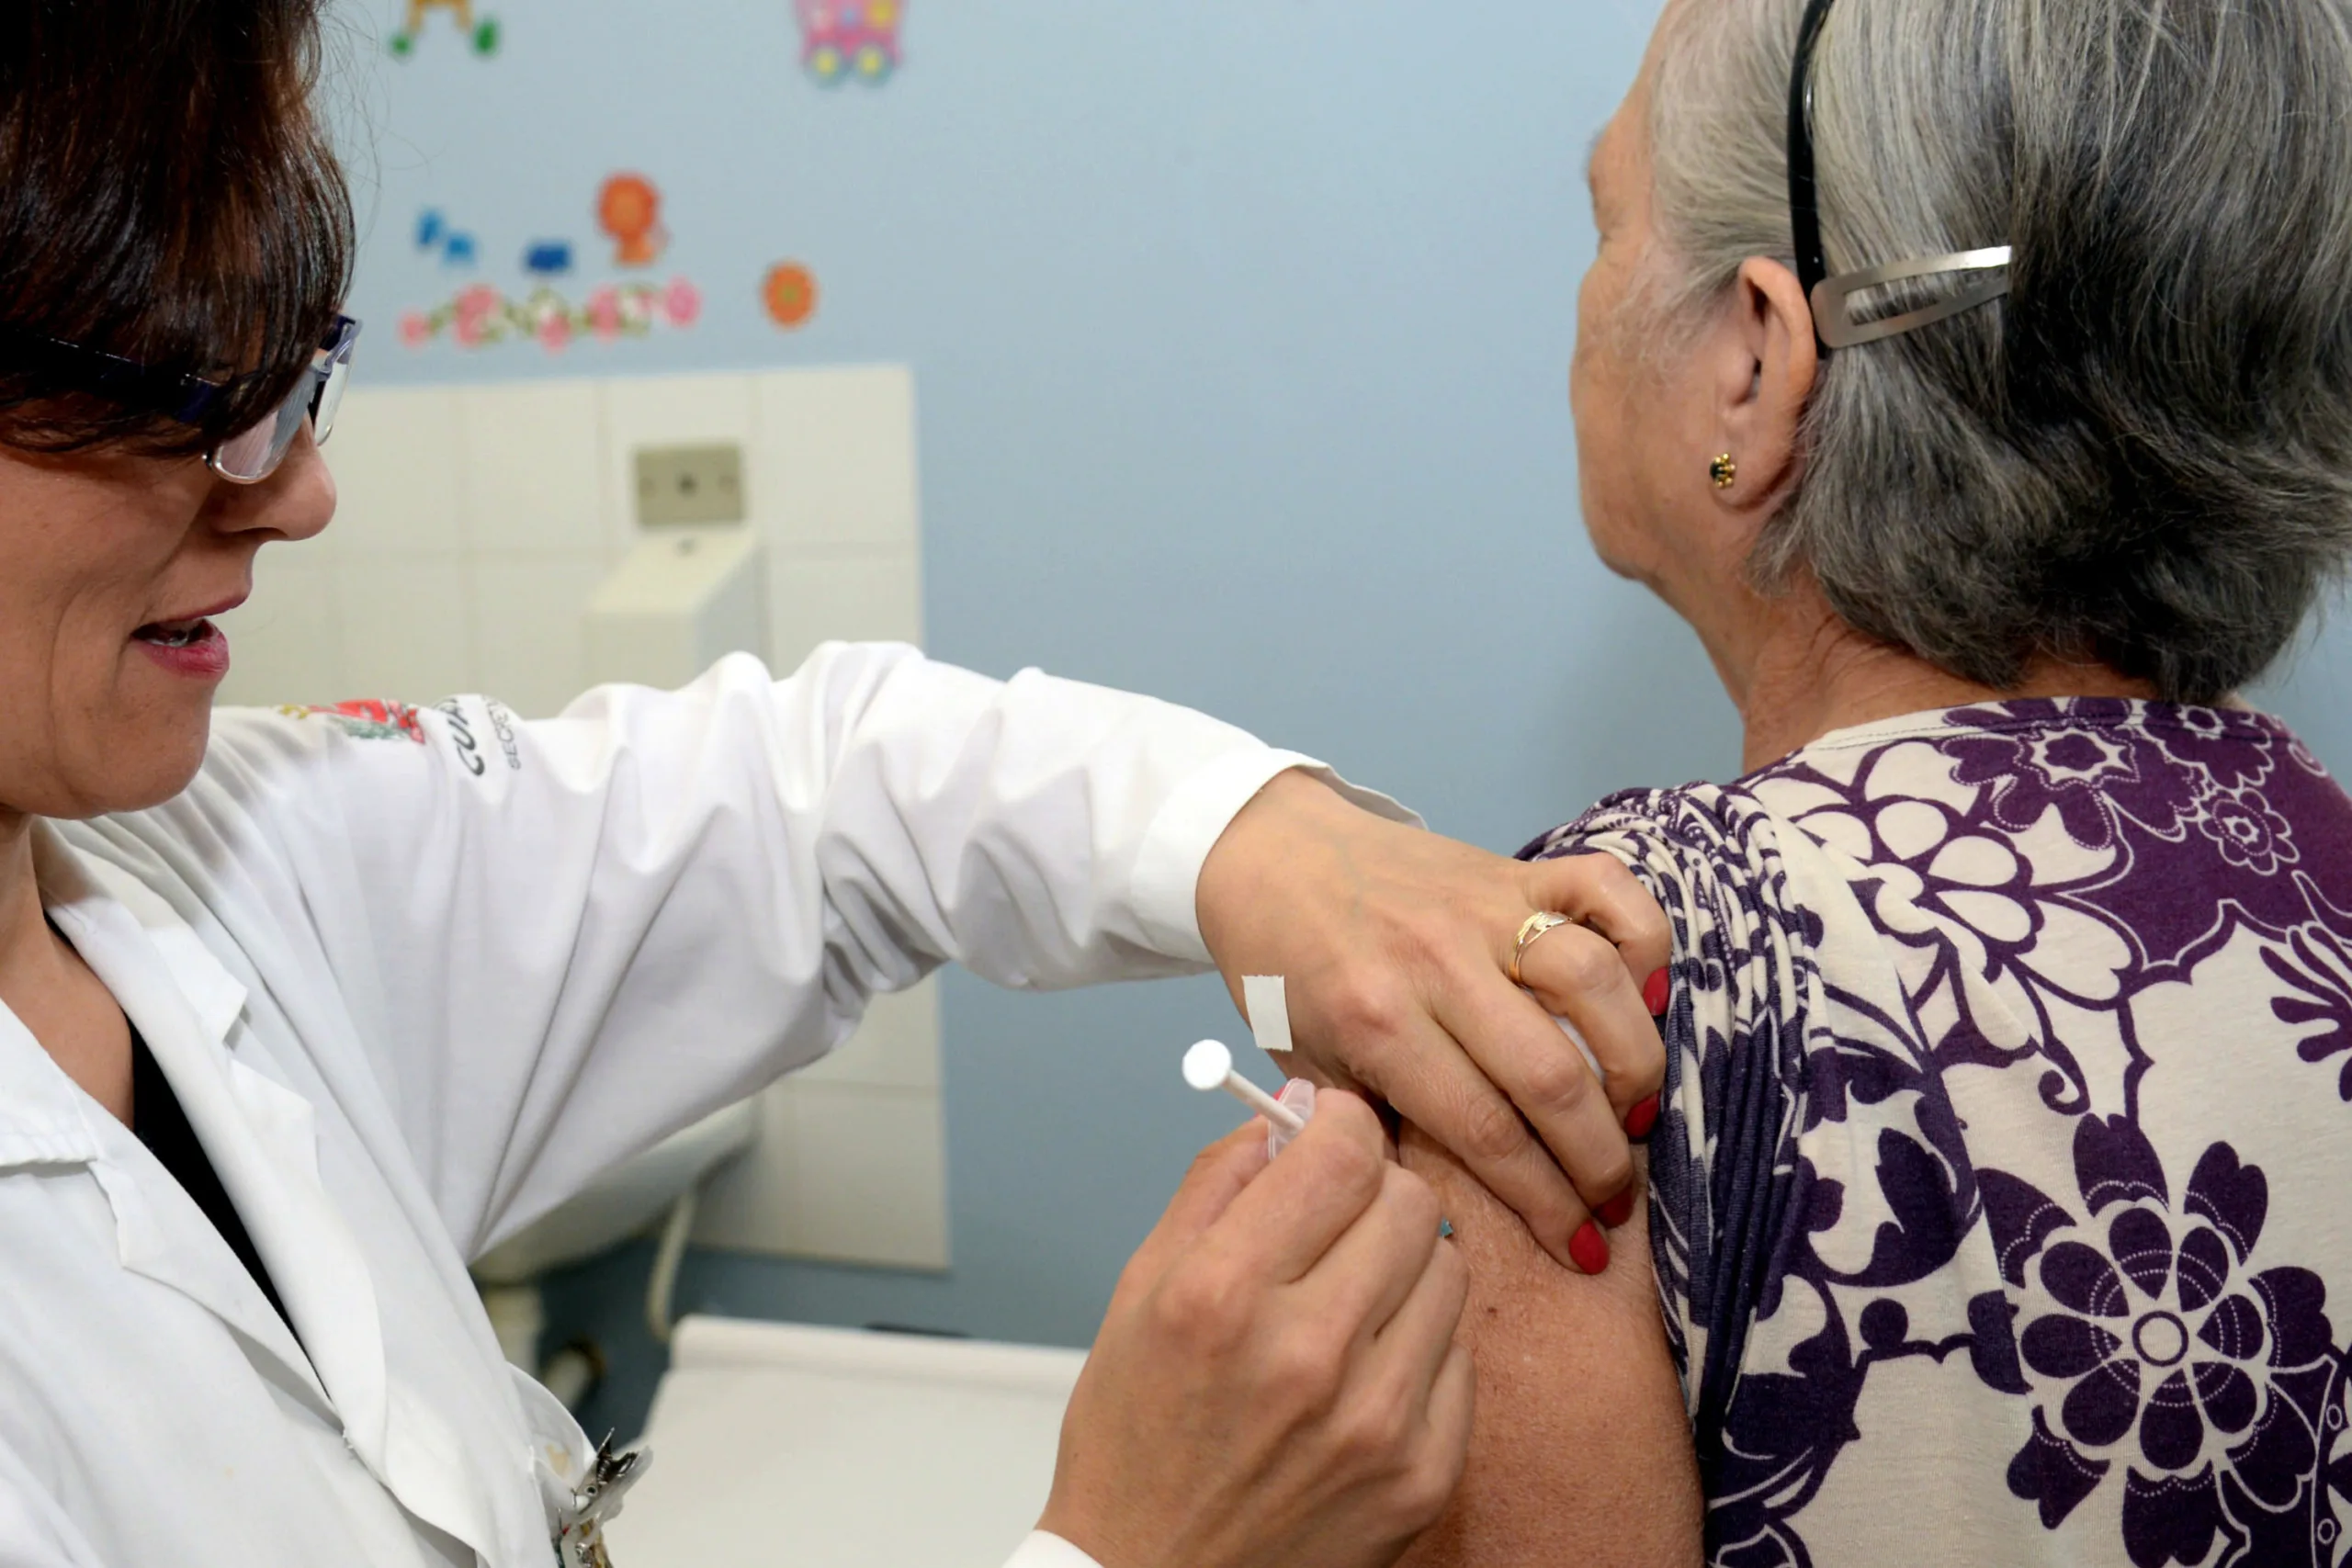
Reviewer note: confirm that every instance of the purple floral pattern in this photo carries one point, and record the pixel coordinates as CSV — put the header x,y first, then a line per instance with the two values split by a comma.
x,y
2163,1351
2317,968
2011,1057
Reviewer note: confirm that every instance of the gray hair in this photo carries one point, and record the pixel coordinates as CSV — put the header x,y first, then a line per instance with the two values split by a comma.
x,y
2142,456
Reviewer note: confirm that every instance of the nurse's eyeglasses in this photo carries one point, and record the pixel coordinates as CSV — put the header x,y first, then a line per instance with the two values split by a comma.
x,y
247,457
1832,299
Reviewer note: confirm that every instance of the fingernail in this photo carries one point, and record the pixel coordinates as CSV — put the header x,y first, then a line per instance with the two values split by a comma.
x,y
1589,1249
1617,1211
1655,992
1642,1118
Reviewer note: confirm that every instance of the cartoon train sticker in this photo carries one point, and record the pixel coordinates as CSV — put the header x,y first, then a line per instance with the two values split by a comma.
x,y
839,38
482,34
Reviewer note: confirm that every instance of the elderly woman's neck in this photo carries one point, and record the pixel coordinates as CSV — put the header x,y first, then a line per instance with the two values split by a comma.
x,y
1808,672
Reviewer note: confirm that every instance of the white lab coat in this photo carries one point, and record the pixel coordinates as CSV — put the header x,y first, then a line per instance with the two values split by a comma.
x,y
416,987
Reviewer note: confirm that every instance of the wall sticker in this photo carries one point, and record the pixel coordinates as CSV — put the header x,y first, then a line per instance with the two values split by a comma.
x,y
628,207
480,33
482,316
789,292
840,39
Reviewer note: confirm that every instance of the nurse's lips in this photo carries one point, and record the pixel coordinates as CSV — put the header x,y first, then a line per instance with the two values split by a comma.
x,y
189,645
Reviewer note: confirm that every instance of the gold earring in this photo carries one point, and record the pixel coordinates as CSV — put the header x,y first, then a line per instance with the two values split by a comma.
x,y
1724,471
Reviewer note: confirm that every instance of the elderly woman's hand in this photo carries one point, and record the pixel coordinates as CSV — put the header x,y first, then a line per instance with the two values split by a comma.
x,y
1395,945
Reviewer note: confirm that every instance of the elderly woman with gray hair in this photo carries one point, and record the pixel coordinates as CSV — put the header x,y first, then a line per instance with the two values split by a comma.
x,y
1975,377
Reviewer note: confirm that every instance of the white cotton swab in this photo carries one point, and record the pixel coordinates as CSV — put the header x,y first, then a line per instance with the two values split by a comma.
x,y
1208,1066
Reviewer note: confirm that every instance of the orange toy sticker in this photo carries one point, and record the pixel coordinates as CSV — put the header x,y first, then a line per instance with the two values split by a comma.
x,y
790,294
628,207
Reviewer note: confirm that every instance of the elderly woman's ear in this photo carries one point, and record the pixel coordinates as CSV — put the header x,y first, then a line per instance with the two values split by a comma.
x,y
1764,359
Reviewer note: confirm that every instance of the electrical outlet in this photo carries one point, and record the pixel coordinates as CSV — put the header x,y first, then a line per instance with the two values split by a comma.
x,y
689,484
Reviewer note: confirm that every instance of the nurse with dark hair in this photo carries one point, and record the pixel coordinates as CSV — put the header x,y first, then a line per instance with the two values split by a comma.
x,y
304,1009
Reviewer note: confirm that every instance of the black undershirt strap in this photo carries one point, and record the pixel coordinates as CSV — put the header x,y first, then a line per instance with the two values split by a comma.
x,y
158,1121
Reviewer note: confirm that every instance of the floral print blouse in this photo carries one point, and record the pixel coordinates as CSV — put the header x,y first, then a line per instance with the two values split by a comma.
x,y
2004,1184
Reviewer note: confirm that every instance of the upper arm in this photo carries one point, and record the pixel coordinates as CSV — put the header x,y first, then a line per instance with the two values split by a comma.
x,y
1597,1396
1580,1451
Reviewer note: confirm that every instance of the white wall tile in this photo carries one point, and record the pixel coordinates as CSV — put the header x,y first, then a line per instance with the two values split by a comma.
x,y
397,458
530,641
839,1171
407,628
864,597
833,461
668,411
285,643
532,474
895,1046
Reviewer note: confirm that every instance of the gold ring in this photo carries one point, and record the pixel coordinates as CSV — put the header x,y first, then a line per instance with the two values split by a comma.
x,y
1530,928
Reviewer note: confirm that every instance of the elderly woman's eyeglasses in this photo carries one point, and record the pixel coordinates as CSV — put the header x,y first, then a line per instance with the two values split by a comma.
x,y
1832,299
247,457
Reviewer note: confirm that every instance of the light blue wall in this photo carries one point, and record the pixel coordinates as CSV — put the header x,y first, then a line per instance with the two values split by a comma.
x,y
1240,329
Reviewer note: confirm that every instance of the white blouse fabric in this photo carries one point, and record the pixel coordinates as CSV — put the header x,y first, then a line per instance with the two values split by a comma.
x,y
2002,1200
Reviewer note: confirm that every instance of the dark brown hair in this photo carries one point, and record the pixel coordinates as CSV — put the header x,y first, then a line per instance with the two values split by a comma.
x,y
167,195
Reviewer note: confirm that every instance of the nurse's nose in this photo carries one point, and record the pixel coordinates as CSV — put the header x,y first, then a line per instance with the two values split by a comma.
x,y
295,502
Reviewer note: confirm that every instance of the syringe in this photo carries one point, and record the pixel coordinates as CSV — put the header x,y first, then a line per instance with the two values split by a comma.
x,y
1208,1066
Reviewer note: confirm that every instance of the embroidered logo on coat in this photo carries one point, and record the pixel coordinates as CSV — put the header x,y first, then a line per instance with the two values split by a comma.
x,y
365,718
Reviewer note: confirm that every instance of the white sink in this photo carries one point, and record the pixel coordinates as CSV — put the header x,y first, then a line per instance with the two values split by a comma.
x,y
779,1445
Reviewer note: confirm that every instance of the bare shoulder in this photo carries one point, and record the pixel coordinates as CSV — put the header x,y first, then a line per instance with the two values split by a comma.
x,y
1581,1452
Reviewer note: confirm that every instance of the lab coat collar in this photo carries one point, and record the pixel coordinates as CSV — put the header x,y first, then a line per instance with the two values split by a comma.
x,y
46,1120
41,1109
262,1142
42,1113
262,1138
72,890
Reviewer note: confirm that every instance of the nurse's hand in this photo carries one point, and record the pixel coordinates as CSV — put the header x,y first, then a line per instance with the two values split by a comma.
x,y
1276,1384
1395,946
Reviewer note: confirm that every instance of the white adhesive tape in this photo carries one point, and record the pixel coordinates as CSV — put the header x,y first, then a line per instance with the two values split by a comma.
x,y
1269,1010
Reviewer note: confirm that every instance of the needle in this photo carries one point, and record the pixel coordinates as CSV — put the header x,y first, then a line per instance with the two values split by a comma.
x,y
1208,1066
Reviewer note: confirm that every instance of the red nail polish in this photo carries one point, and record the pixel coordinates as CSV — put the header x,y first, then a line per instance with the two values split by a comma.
x,y
1642,1118
1617,1211
1655,992
1589,1249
